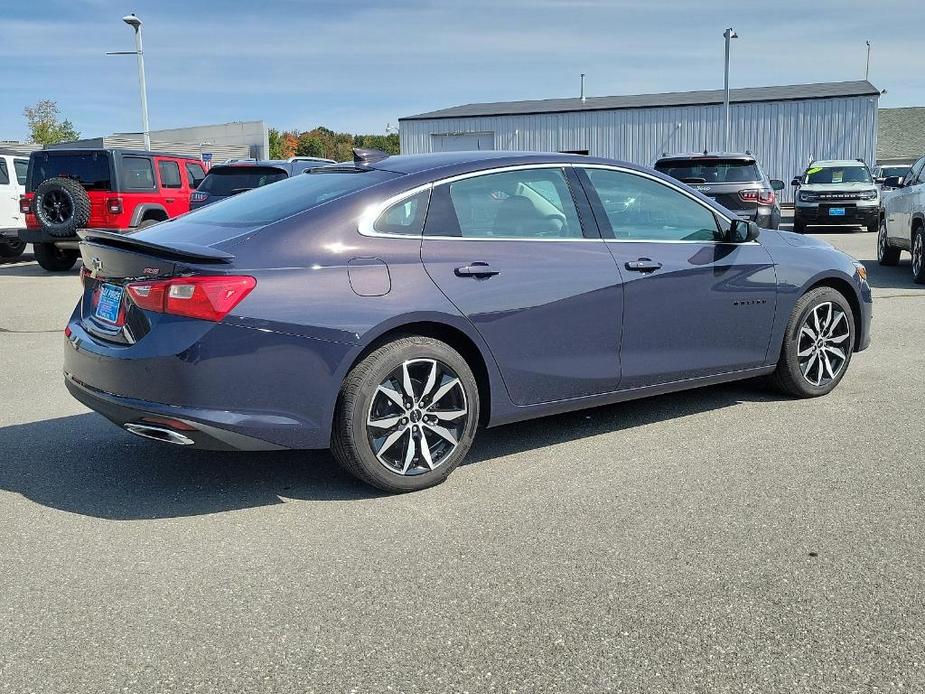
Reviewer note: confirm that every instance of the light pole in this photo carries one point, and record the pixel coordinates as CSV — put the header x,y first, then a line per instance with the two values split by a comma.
x,y
867,69
729,34
135,23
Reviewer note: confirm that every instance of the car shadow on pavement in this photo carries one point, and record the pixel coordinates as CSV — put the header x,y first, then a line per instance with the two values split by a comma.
x,y
25,266
83,464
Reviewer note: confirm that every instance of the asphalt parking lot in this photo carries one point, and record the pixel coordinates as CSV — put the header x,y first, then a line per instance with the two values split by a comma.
x,y
721,540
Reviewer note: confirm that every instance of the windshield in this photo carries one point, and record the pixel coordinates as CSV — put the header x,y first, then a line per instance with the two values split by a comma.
x,y
838,174
226,218
91,169
236,179
710,170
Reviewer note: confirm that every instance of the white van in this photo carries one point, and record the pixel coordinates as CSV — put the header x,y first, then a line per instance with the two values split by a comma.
x,y
12,184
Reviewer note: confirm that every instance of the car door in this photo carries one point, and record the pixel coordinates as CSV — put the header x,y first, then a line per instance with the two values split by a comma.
x,y
511,250
899,206
694,305
175,196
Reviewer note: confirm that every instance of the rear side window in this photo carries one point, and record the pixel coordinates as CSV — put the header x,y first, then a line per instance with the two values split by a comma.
x,y
169,171
226,218
405,217
91,169
195,173
22,168
231,180
137,173
4,174
710,170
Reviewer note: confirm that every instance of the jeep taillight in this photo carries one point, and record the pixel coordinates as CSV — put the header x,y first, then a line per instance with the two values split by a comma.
x,y
25,204
762,197
209,297
114,205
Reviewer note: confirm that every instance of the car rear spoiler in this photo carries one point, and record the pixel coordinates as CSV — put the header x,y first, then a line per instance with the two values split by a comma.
x,y
177,250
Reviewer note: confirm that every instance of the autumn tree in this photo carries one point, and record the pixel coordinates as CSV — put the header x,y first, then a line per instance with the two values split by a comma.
x,y
310,145
44,126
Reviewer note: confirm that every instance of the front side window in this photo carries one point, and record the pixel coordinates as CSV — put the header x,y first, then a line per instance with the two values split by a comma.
x,y
527,204
195,173
641,209
169,171
837,174
137,173
914,172
22,168
4,174
405,217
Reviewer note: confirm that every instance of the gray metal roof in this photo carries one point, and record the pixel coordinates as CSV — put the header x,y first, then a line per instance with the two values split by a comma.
x,y
901,133
821,90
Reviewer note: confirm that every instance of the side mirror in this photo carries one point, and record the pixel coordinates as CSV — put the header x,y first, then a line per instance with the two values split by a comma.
x,y
796,181
777,185
893,182
742,231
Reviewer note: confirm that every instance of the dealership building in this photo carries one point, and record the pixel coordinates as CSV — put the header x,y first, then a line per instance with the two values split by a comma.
x,y
784,127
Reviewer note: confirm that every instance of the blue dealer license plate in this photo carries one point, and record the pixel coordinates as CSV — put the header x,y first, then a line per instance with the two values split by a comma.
x,y
836,212
110,302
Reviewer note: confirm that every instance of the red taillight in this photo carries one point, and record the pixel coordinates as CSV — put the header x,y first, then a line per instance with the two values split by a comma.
x,y
198,197
25,204
114,205
762,197
67,331
210,297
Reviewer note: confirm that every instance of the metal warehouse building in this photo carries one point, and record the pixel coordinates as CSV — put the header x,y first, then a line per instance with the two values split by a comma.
x,y
782,126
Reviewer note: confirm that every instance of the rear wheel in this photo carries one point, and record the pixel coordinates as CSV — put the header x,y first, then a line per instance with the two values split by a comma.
x,y
12,249
55,259
886,254
817,345
406,415
918,256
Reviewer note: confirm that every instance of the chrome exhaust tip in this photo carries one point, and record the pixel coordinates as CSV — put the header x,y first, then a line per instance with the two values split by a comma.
x,y
158,434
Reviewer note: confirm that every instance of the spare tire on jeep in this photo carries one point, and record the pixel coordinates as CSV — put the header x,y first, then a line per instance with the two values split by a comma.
x,y
61,206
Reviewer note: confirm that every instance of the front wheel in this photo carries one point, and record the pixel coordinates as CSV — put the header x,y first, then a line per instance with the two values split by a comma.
x,y
406,415
799,227
886,254
918,257
12,249
55,259
817,345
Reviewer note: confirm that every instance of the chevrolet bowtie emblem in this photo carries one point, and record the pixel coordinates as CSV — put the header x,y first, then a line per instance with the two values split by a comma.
x,y
96,265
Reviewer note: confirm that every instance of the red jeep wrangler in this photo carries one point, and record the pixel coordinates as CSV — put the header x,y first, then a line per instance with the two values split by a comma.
x,y
115,189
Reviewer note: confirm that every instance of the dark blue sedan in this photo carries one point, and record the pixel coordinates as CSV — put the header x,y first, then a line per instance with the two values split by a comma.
x,y
389,307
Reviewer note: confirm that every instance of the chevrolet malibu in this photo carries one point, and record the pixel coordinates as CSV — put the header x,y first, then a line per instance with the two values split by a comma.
x,y
388,307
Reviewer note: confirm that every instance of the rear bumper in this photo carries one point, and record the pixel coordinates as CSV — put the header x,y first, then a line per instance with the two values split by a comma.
x,y
10,234
854,216
42,236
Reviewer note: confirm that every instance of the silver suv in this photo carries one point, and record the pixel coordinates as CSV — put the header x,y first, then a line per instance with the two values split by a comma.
x,y
902,226
837,192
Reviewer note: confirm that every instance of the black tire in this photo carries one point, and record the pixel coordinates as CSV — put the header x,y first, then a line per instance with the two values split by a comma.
x,y
55,259
61,206
789,376
147,223
12,249
873,227
351,442
886,254
799,227
918,255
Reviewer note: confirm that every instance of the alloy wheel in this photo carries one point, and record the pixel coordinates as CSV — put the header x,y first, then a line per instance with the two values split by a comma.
x,y
822,348
417,416
881,242
57,206
918,251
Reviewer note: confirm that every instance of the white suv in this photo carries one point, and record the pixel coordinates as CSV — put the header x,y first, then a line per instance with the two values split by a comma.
x,y
12,184
902,223
837,192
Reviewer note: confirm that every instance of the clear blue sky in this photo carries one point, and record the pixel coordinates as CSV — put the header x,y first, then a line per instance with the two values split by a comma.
x,y
355,65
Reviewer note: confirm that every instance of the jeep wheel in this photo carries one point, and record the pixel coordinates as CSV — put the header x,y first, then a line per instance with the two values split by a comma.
x,y
61,206
54,259
12,249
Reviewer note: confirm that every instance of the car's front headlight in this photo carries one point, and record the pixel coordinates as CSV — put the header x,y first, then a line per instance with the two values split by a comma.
x,y
806,196
861,270
869,194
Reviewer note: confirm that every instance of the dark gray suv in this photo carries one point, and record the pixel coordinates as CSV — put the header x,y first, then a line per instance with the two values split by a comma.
x,y
735,181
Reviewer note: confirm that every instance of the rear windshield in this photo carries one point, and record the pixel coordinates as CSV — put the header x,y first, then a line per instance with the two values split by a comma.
x,y
900,171
91,169
838,174
226,218
231,180
710,170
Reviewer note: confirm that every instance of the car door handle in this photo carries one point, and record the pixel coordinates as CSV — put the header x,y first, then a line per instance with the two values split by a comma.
x,y
643,265
476,269
169,199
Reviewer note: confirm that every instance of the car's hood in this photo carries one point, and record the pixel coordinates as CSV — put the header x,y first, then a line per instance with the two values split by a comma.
x,y
837,187
792,239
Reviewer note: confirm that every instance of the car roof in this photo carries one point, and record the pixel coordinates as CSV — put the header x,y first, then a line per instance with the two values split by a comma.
x,y
111,150
420,163
744,156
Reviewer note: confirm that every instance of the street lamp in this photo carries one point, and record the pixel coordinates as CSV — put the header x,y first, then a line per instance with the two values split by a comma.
x,y
135,23
729,34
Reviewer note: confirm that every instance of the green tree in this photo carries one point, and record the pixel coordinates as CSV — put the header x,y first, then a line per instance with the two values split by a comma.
x,y
310,145
277,146
44,126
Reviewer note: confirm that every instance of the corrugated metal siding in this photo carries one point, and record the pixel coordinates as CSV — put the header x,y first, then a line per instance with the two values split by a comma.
x,y
219,152
783,135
